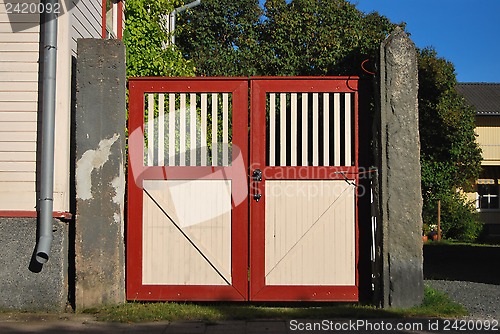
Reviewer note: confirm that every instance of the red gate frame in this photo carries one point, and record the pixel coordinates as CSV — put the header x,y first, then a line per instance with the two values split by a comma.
x,y
137,172
259,291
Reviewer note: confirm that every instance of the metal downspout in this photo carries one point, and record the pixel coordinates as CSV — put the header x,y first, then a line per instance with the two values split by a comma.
x,y
173,17
48,127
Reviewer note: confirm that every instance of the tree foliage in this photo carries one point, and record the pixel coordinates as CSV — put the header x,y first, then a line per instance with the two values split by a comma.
x,y
318,37
145,39
303,37
450,156
332,37
221,36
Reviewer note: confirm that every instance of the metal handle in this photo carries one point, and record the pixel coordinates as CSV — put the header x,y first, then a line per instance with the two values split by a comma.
x,y
256,177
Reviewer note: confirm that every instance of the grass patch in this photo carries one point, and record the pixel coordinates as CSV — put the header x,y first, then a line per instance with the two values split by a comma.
x,y
452,242
436,304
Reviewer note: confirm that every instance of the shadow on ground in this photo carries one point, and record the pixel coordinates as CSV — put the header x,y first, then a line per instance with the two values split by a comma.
x,y
479,264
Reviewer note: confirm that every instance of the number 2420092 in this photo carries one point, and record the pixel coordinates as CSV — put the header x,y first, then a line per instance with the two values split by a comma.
x,y
32,8
470,325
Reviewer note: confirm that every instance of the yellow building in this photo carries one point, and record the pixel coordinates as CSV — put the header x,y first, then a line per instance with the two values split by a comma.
x,y
485,97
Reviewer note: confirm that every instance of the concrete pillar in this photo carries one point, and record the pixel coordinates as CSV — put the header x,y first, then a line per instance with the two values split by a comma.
x,y
399,188
100,175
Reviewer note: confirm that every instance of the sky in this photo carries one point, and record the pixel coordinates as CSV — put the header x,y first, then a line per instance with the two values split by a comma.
x,y
465,32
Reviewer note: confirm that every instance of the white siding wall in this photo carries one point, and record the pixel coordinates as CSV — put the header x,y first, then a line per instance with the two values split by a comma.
x,y
19,56
18,110
86,21
82,19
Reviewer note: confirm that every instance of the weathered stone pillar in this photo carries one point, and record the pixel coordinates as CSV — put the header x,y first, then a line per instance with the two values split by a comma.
x,y
399,188
100,176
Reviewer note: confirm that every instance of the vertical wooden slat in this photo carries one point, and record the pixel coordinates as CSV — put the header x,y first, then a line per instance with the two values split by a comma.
x,y
147,217
192,129
272,129
215,127
315,133
305,128
282,143
171,129
336,129
182,131
293,130
326,129
151,128
348,129
161,130
203,135
225,131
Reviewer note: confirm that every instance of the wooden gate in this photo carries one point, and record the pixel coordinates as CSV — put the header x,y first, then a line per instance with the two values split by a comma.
x,y
187,236
303,209
191,182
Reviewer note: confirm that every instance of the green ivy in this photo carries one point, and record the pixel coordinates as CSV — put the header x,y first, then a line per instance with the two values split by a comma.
x,y
144,38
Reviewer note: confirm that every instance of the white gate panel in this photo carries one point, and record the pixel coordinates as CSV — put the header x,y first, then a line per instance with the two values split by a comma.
x,y
187,232
310,232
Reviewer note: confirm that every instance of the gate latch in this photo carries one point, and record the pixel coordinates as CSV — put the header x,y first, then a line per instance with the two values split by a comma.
x,y
257,175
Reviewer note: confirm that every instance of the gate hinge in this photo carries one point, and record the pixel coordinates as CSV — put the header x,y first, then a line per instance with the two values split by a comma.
x,y
248,274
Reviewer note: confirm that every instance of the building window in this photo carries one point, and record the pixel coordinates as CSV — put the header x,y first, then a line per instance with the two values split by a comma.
x,y
112,19
487,191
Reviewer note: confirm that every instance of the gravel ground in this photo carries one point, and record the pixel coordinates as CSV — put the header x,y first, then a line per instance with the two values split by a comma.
x,y
480,299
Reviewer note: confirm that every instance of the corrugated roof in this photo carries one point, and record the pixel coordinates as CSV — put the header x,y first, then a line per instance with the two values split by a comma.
x,y
485,97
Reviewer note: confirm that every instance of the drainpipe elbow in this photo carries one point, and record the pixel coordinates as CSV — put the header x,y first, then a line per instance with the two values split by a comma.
x,y
43,248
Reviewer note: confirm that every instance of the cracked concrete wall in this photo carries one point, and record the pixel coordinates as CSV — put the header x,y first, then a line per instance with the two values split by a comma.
x,y
100,176
399,187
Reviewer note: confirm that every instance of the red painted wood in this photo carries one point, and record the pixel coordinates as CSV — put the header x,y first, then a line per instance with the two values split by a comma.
x,y
257,209
34,214
356,164
237,173
307,293
310,172
119,33
135,206
307,84
103,19
186,293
